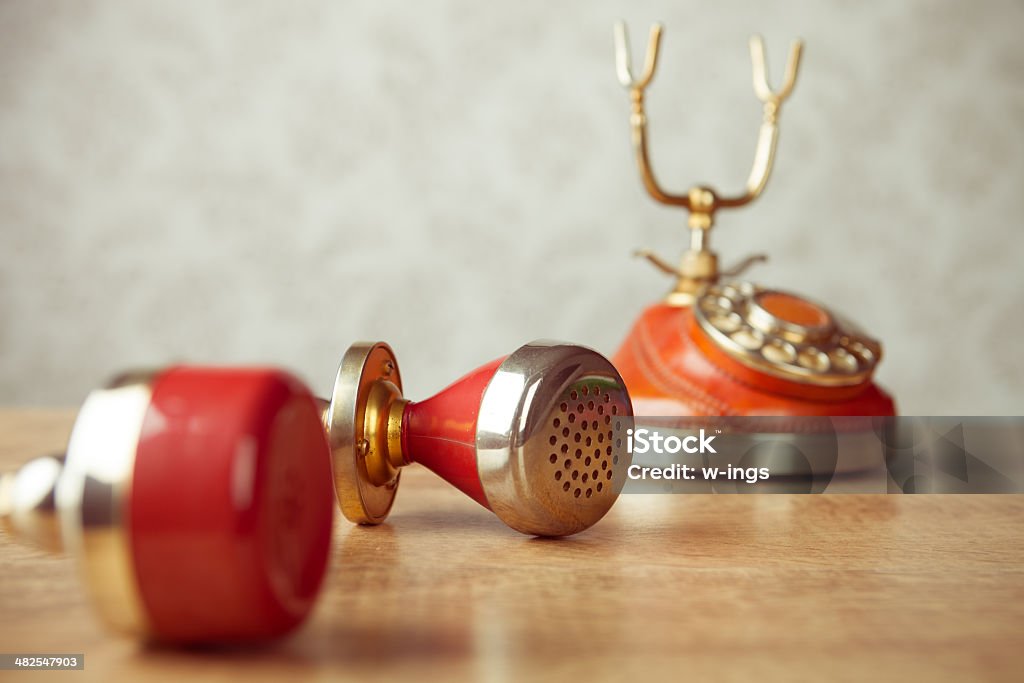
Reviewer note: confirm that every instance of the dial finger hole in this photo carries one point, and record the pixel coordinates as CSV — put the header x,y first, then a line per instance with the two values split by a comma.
x,y
779,352
843,360
748,338
728,323
813,359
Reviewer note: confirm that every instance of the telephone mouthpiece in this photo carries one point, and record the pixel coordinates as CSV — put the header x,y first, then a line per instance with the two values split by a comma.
x,y
537,437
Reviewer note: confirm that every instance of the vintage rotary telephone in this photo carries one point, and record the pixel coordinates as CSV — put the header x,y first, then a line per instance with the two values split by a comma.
x,y
717,345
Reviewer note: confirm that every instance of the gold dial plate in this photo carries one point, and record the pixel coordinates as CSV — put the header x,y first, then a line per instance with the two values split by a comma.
x,y
368,382
785,335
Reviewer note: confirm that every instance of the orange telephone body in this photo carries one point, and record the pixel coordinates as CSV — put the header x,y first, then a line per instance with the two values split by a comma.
x,y
672,367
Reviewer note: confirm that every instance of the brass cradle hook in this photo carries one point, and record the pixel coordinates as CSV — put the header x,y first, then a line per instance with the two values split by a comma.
x,y
699,265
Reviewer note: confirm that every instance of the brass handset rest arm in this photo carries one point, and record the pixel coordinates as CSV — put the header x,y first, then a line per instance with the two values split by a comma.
x,y
764,155
699,264
638,118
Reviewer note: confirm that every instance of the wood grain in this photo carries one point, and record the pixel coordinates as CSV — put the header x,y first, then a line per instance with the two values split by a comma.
x,y
667,587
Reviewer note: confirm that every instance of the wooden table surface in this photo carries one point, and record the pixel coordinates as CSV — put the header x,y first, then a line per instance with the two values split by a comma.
x,y
701,587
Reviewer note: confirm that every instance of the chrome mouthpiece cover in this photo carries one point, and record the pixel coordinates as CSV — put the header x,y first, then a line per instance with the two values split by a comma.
x,y
551,438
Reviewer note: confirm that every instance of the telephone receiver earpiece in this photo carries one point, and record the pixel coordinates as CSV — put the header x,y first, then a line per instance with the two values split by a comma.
x,y
197,502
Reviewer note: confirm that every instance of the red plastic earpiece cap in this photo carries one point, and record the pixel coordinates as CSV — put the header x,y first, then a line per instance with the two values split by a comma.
x,y
231,505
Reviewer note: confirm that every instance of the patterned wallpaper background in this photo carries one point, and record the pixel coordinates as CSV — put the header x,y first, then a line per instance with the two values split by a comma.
x,y
265,182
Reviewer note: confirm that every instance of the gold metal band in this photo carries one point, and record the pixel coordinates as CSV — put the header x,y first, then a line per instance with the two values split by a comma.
x,y
92,497
364,422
